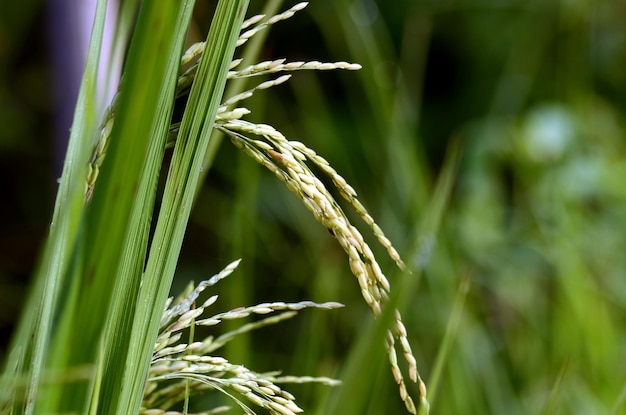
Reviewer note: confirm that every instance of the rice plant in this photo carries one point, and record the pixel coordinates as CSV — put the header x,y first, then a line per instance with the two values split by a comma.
x,y
485,138
100,334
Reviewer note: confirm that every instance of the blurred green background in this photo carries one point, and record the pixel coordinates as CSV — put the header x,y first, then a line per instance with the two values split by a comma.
x,y
533,92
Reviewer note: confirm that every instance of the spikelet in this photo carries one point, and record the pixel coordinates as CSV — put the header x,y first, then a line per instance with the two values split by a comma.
x,y
287,160
175,363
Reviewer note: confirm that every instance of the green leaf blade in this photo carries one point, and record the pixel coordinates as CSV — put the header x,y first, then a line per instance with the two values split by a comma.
x,y
178,197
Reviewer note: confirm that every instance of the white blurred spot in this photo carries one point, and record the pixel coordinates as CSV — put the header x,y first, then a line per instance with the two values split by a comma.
x,y
548,130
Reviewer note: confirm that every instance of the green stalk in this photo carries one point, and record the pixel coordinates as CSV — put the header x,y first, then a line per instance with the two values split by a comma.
x,y
119,324
191,146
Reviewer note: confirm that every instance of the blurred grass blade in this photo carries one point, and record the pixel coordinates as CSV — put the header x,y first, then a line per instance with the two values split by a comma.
x,y
30,343
446,345
191,144
358,374
619,404
362,366
553,401
426,235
